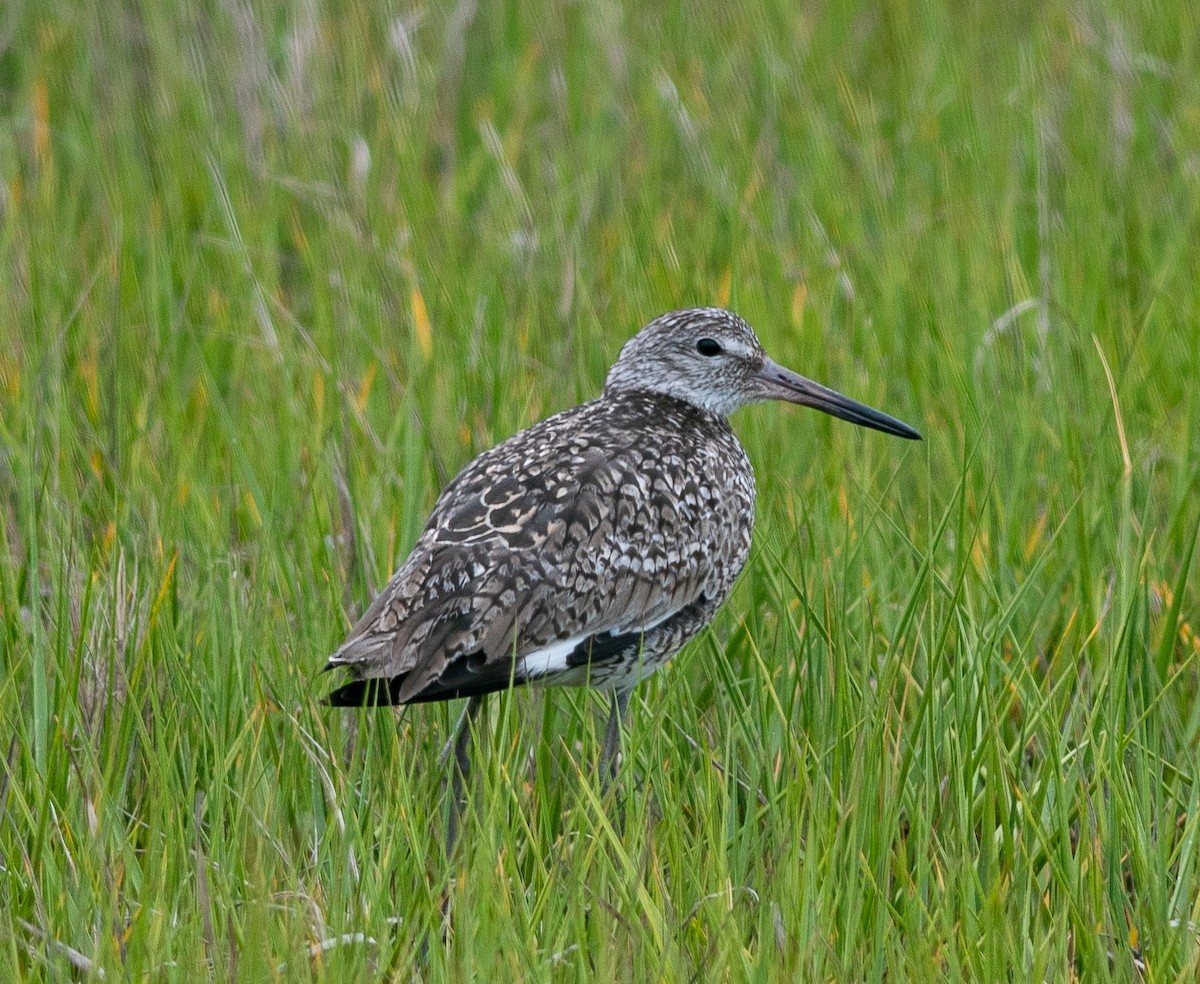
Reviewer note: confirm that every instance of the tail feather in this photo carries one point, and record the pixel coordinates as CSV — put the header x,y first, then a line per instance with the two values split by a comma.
x,y
375,692
385,692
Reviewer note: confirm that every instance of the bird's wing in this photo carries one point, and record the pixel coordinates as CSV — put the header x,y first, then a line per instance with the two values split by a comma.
x,y
563,533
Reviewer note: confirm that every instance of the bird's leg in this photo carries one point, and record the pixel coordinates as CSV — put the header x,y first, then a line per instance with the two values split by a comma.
x,y
612,734
461,741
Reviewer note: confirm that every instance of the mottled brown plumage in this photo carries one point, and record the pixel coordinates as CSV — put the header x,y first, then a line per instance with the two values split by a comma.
x,y
631,513
589,548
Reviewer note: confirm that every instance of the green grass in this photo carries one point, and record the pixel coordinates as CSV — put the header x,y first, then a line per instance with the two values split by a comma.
x,y
270,273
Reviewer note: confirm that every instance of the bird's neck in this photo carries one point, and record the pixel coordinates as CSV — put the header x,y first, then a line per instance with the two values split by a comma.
x,y
657,405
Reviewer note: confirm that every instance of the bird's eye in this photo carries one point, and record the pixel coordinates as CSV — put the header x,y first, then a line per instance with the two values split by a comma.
x,y
708,346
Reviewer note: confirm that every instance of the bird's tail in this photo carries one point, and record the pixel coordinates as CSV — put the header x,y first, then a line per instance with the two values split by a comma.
x,y
375,692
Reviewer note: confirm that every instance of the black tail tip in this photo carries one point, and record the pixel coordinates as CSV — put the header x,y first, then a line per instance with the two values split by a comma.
x,y
364,693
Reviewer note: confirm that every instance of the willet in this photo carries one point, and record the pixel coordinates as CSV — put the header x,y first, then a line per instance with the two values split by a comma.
x,y
589,548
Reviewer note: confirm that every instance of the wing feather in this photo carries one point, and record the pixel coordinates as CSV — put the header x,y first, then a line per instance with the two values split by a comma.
x,y
564,532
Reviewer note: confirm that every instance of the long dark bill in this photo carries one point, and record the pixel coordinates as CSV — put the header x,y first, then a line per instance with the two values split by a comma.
x,y
778,383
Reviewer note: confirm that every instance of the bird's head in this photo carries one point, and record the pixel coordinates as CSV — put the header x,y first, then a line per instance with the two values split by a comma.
x,y
711,358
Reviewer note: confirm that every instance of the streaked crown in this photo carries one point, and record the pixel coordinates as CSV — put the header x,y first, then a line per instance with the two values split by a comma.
x,y
708,357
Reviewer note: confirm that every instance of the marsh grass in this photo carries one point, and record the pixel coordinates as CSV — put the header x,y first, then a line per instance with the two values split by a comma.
x,y
273,272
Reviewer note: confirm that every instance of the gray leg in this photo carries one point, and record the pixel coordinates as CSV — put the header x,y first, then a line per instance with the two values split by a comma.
x,y
460,740
612,734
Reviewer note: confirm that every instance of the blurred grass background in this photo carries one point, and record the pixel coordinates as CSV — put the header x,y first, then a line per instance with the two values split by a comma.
x,y
270,273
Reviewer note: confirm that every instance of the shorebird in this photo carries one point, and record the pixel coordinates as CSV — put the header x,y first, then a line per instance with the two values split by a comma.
x,y
589,548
